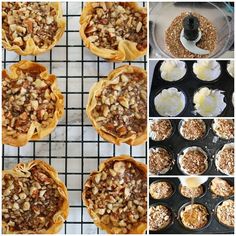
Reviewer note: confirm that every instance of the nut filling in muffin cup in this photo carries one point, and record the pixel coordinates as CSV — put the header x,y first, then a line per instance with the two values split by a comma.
x,y
223,128
221,187
225,213
192,129
193,161
161,189
160,160
160,217
192,192
194,216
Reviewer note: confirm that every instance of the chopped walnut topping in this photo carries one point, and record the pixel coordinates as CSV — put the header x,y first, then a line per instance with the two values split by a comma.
x,y
225,159
113,22
191,192
224,128
194,216
159,217
118,195
122,106
193,161
221,187
161,190
192,129
24,20
225,213
29,203
25,100
160,160
160,129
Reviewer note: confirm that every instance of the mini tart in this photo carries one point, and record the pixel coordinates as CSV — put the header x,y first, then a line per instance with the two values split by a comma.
x,y
31,28
224,128
191,192
221,187
31,103
117,106
34,199
116,31
116,196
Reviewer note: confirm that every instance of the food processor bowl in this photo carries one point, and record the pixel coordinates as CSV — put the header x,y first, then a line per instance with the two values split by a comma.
x,y
163,13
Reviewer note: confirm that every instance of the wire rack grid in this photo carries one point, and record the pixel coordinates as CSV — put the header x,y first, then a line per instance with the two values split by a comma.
x,y
74,148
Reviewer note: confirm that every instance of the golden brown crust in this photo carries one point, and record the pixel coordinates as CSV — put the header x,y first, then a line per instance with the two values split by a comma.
x,y
22,170
31,48
127,50
35,131
92,102
139,228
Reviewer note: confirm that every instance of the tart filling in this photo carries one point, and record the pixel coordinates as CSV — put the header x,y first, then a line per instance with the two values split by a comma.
x,y
161,190
117,106
31,103
193,161
159,217
194,216
34,200
116,196
191,192
224,159
115,30
31,27
221,187
224,128
160,129
160,160
225,213
193,129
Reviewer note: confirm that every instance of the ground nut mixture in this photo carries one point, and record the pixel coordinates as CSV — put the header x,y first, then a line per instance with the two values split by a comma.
x,y
25,100
208,40
224,128
193,161
159,217
192,129
122,106
30,203
118,195
161,190
160,129
191,192
116,21
225,159
221,187
160,161
225,213
194,216
36,20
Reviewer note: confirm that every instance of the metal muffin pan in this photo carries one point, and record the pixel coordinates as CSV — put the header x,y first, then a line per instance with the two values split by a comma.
x,y
189,84
209,200
210,143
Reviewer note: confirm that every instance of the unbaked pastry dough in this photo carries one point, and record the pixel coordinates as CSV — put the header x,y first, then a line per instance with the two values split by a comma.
x,y
23,170
37,130
127,49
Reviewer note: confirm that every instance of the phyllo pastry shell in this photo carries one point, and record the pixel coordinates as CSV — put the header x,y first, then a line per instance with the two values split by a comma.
x,y
31,28
32,104
117,106
116,196
116,31
34,199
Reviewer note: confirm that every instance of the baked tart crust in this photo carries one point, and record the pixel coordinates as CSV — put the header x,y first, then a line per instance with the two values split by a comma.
x,y
27,36
117,106
133,201
29,115
41,177
130,43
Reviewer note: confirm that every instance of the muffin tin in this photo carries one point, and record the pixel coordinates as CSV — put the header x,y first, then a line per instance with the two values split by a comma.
x,y
189,85
210,143
177,201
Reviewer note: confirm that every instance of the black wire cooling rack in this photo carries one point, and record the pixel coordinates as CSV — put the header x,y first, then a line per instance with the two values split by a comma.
x,y
74,148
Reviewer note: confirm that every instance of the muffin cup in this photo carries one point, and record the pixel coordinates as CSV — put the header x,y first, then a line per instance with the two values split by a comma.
x,y
217,134
228,71
194,230
169,182
202,195
228,181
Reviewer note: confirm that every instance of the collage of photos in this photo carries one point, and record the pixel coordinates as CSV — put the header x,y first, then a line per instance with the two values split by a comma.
x,y
117,117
